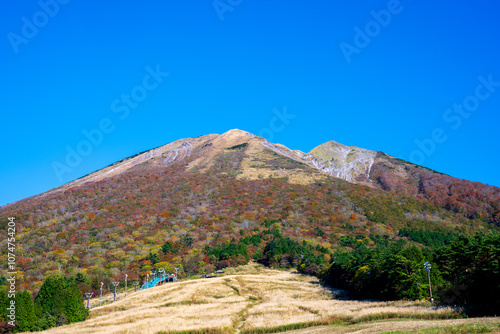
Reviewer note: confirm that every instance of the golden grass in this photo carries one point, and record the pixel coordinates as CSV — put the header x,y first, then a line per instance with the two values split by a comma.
x,y
455,326
253,167
246,299
459,329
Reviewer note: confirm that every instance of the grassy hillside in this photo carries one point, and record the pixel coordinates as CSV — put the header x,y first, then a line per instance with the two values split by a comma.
x,y
247,299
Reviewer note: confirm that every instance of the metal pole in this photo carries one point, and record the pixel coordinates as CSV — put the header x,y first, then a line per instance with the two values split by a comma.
x,y
100,296
136,283
427,267
176,270
162,275
115,284
126,285
430,288
88,295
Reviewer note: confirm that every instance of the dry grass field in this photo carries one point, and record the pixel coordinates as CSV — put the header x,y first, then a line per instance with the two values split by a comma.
x,y
253,299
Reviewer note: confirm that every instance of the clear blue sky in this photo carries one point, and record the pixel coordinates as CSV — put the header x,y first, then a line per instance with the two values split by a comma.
x,y
67,69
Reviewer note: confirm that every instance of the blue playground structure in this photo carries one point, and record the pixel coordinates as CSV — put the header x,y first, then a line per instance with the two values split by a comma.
x,y
154,282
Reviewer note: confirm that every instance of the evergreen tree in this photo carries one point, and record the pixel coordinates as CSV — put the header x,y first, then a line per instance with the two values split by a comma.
x,y
73,305
471,266
4,303
153,257
47,302
187,241
25,312
80,278
169,247
60,299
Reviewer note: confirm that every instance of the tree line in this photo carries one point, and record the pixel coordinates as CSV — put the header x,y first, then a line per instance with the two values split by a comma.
x,y
58,302
464,271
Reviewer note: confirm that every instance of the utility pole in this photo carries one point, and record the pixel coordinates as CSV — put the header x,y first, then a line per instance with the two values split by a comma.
x,y
427,267
88,295
115,284
100,296
161,272
136,283
126,285
153,272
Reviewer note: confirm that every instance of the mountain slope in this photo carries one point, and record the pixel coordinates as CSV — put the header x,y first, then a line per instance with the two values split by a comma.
x,y
256,158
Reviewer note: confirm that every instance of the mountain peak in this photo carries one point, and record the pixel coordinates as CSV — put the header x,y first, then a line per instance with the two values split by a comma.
x,y
350,163
335,144
237,132
233,137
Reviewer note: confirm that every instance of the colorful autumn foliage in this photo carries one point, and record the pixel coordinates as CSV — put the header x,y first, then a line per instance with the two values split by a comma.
x,y
200,220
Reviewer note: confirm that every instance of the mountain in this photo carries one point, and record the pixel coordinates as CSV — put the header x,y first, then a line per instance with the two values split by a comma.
x,y
254,158
205,191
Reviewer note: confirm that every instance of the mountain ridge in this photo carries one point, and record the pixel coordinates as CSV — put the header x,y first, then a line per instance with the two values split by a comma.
x,y
353,164
174,148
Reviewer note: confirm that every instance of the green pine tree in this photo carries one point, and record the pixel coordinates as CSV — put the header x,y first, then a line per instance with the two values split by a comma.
x,y
47,302
4,303
73,305
80,278
60,300
25,312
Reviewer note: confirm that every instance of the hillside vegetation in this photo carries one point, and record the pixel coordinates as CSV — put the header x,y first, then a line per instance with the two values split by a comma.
x,y
218,201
